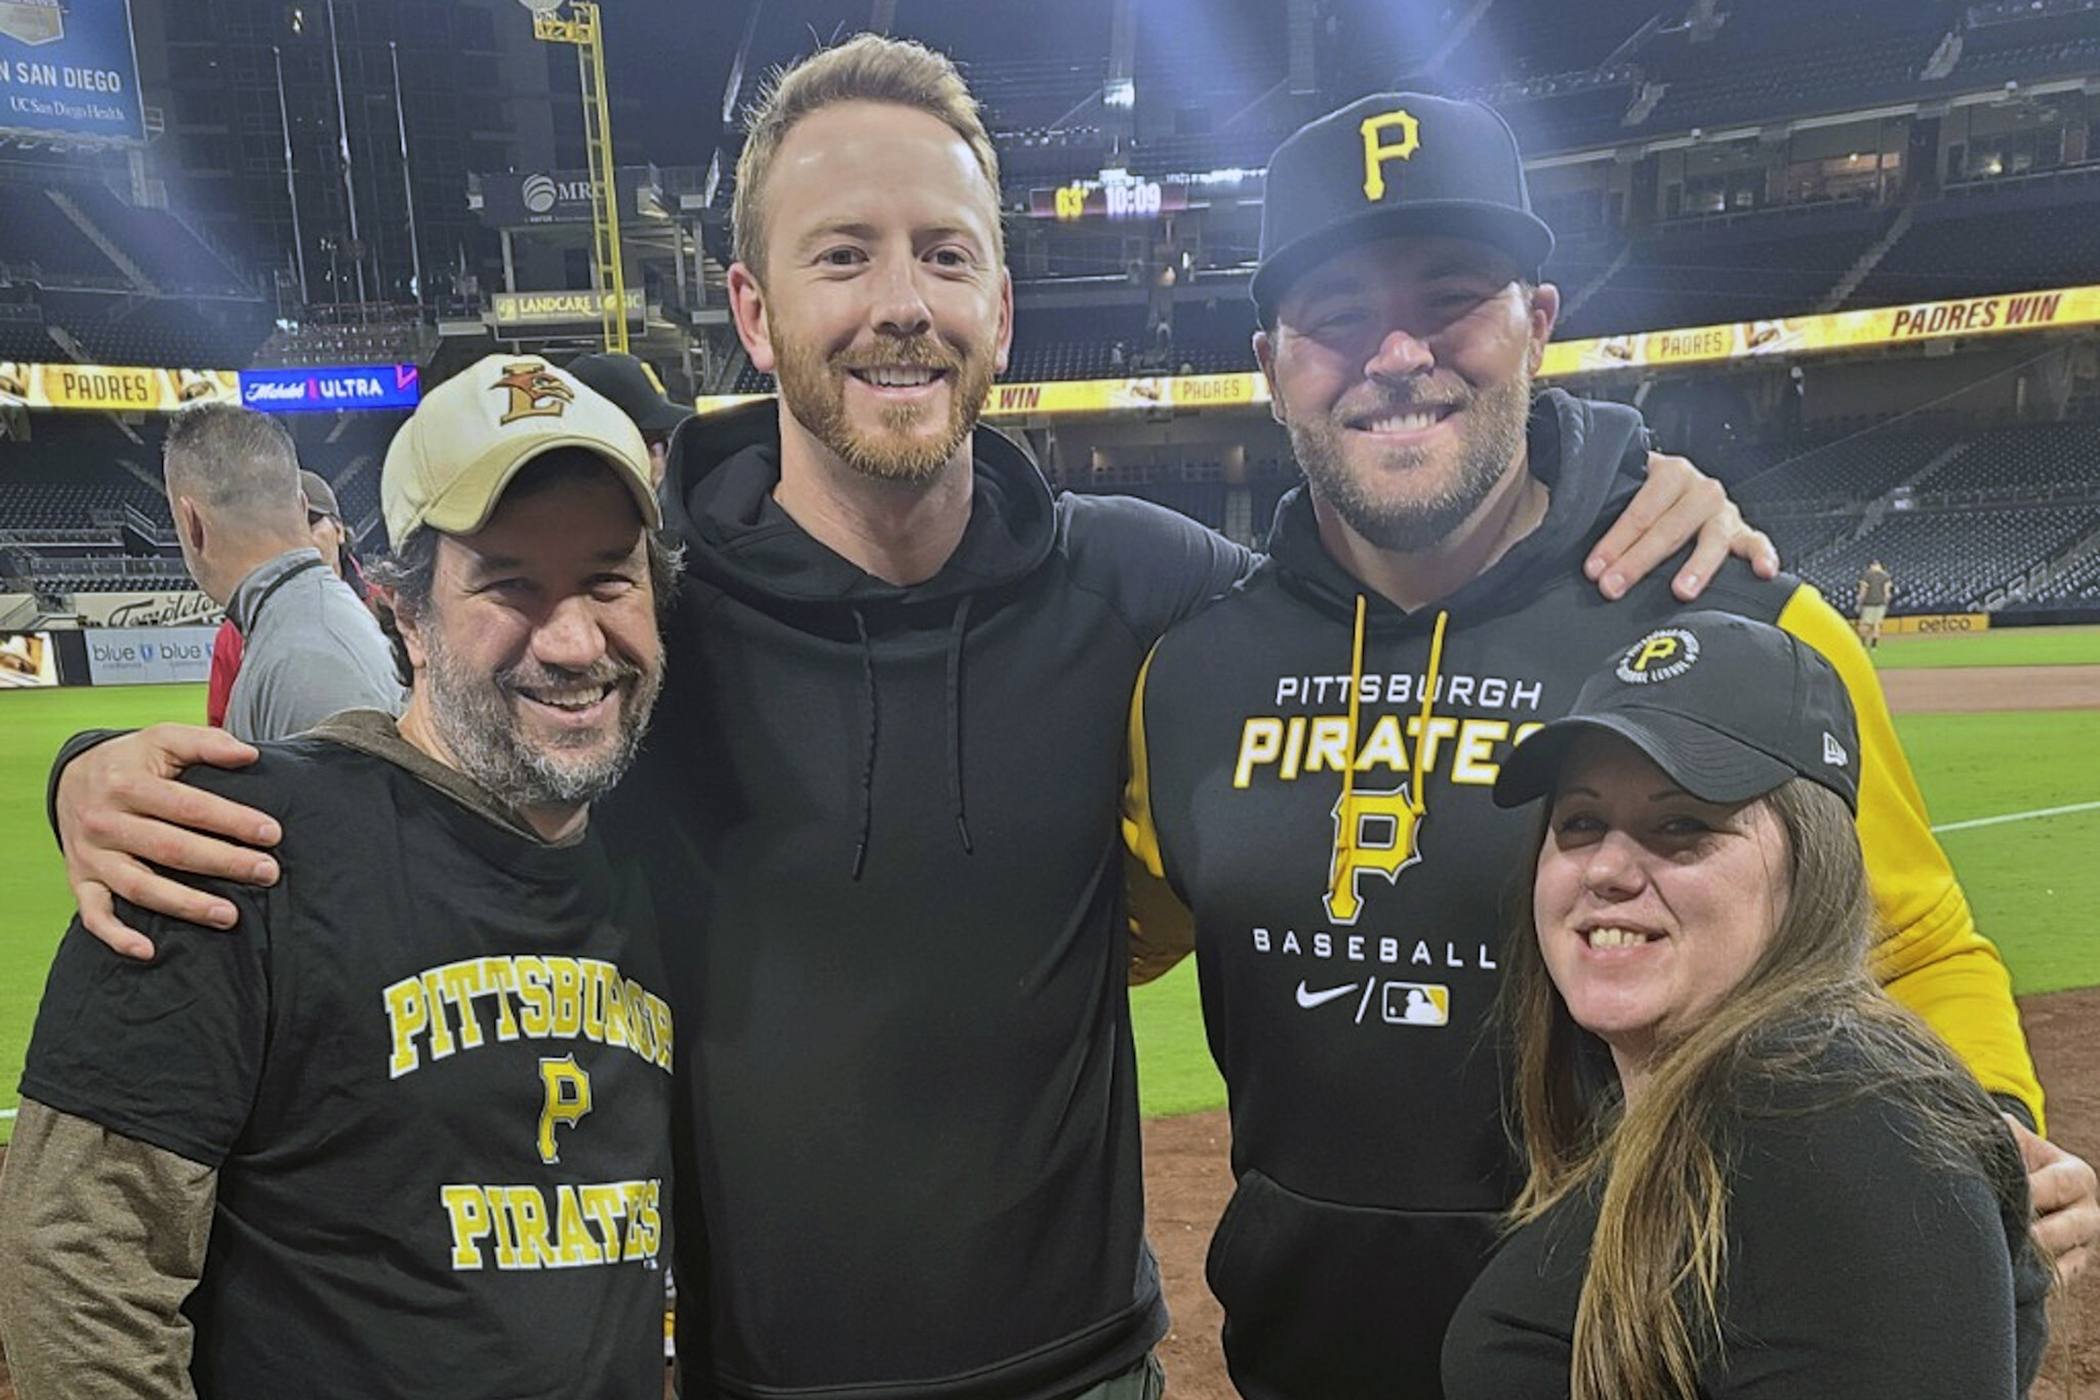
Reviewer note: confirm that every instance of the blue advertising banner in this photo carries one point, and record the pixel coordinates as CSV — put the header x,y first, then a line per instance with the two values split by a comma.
x,y
313,390
149,655
69,69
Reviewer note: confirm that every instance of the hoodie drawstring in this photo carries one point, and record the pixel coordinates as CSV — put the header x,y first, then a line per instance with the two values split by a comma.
x,y
955,783
956,628
1346,815
867,771
1422,740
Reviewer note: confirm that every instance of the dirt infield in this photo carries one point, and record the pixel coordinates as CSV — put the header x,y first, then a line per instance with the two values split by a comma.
x,y
1993,688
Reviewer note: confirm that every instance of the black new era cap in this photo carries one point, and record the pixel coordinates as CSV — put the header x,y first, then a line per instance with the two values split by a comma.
x,y
1728,707
1398,162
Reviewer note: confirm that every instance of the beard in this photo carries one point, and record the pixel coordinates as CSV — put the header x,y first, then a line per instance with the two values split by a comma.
x,y
1493,419
813,386
474,719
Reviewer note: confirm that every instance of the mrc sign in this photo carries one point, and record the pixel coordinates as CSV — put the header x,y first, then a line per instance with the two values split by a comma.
x,y
324,390
554,196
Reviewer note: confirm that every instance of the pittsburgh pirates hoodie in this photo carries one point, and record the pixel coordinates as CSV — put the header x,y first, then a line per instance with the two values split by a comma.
x,y
885,819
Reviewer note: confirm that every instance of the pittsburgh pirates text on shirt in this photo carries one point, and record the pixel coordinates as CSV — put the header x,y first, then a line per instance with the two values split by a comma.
x,y
440,1009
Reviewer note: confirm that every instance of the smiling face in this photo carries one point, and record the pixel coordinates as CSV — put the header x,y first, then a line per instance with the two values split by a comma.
x,y
1650,904
1402,369
537,658
884,310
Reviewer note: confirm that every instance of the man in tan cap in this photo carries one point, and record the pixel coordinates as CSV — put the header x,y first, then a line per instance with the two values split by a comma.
x,y
403,1129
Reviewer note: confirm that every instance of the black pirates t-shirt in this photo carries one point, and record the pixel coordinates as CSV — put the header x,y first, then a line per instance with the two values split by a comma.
x,y
432,1069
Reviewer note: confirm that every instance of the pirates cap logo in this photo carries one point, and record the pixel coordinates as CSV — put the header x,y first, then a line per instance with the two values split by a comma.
x,y
1662,655
1377,151
535,392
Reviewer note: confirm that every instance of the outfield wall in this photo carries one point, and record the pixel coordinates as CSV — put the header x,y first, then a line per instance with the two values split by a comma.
x,y
107,639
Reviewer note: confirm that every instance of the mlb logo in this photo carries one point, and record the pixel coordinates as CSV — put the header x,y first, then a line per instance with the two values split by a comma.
x,y
1416,1004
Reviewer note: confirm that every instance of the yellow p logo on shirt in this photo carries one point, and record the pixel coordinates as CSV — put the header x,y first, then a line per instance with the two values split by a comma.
x,y
566,1100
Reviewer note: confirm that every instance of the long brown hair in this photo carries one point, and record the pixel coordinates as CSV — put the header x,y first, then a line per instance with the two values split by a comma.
x,y
1649,1308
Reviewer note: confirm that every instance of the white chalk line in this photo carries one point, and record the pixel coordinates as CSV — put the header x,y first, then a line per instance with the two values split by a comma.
x,y
2018,817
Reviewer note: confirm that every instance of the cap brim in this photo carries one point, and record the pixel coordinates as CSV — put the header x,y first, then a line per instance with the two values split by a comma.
x,y
662,417
1524,237
469,501
1708,764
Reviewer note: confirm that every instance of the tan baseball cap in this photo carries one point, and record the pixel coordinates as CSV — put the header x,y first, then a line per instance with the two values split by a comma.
x,y
452,459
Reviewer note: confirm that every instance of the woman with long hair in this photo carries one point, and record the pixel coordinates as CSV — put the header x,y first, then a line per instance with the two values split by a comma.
x,y
1751,1173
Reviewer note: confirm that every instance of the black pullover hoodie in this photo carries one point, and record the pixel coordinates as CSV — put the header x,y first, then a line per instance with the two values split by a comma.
x,y
883,822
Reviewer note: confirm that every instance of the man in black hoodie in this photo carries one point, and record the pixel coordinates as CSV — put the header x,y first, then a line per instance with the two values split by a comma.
x,y
881,792
1312,757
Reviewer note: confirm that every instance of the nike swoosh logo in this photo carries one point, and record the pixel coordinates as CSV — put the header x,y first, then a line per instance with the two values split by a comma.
x,y
1309,999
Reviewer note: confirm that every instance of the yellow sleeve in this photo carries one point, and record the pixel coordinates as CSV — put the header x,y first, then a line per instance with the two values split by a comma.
x,y
1929,956
1162,930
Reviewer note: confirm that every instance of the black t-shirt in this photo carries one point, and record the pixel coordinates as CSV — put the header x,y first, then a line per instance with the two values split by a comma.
x,y
1852,1269
432,1068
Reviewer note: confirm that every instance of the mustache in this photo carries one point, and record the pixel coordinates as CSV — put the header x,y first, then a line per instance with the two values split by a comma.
x,y
910,352
536,676
1379,401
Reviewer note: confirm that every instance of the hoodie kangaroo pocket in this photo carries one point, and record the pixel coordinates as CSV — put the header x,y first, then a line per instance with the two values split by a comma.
x,y
1337,1302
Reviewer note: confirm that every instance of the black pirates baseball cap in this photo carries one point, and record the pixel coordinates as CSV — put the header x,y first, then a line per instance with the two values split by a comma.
x,y
1728,707
633,387
1394,163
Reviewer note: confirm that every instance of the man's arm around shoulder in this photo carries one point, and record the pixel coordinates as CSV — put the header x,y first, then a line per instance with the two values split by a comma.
x,y
1930,955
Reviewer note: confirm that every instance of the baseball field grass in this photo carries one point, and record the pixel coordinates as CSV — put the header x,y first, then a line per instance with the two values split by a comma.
x,y
2016,795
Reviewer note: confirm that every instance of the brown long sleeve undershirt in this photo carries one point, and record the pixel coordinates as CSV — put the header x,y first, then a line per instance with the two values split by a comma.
x,y
101,1239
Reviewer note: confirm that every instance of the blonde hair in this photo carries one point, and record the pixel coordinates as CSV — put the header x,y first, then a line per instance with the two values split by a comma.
x,y
866,68
1649,1309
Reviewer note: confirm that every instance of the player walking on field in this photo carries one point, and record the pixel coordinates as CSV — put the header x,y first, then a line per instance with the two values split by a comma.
x,y
1876,591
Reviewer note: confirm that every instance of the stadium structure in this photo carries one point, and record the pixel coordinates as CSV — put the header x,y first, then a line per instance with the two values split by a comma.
x,y
1842,254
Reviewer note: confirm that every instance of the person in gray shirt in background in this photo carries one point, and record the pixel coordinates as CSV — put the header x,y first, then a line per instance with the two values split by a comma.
x,y
311,649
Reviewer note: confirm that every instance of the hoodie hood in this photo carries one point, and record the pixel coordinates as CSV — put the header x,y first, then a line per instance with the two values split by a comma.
x,y
719,479
1592,456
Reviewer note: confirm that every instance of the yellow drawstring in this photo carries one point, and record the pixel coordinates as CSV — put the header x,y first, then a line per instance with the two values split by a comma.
x,y
1422,740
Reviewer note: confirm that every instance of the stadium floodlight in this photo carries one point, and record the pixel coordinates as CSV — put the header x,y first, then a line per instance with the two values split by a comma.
x,y
542,7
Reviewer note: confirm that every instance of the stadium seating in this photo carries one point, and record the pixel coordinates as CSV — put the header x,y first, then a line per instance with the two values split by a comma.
x,y
1954,560
39,242
2016,237
1767,265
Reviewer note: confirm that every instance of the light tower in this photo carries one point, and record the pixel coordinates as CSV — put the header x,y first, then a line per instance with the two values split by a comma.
x,y
583,29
